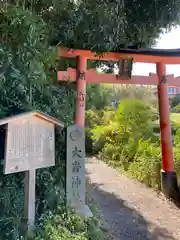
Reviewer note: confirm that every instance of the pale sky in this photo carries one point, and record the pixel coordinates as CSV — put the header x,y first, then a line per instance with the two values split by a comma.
x,y
166,41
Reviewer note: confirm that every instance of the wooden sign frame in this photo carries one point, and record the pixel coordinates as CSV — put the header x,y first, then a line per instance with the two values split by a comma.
x,y
20,141
125,68
30,145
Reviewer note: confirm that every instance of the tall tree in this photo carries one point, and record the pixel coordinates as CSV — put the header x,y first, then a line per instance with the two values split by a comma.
x,y
110,25
104,25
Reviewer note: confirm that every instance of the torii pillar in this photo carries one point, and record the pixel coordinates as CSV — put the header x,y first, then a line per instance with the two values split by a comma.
x,y
169,184
80,120
81,91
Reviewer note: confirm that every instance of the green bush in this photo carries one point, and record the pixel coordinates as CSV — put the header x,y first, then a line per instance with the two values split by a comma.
x,y
93,117
176,109
177,153
127,141
65,225
102,135
99,127
147,164
120,153
175,101
136,117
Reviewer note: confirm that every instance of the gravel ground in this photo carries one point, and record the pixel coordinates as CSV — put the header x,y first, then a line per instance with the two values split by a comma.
x,y
130,210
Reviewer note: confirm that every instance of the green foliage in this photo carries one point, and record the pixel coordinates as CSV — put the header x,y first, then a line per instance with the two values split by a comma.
x,y
118,132
103,25
147,164
176,150
177,161
98,99
26,67
27,74
65,225
136,117
175,101
177,138
101,110
125,140
176,109
111,25
101,133
98,96
11,205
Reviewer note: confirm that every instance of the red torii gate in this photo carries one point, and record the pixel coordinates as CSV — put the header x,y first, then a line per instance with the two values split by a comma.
x,y
82,76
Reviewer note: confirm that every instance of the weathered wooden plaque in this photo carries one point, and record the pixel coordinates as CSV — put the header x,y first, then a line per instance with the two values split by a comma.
x,y
75,168
125,68
29,145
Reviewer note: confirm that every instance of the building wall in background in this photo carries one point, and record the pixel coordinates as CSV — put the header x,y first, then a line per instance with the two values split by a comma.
x,y
172,91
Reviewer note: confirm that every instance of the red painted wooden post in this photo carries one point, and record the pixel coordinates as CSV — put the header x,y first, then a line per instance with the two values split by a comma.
x,y
164,114
80,120
81,91
168,175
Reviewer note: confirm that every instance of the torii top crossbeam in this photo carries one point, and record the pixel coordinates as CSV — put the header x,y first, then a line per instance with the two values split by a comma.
x,y
167,56
152,56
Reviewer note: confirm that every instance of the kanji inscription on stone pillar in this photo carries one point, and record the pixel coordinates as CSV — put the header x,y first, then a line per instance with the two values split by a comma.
x,y
75,170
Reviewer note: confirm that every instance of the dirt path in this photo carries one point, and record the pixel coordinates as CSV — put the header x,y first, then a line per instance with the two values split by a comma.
x,y
131,210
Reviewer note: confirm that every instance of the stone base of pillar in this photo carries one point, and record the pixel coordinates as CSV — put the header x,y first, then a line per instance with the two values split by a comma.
x,y
169,185
83,210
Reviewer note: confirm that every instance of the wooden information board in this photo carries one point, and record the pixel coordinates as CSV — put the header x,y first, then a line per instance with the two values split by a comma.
x,y
29,145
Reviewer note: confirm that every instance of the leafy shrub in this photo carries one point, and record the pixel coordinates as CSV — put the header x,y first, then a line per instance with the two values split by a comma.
x,y
127,141
136,117
65,225
175,101
93,117
99,127
176,109
177,153
103,134
123,128
120,153
147,164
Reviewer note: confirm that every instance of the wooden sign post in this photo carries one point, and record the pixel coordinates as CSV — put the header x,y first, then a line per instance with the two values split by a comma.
x,y
30,197
75,170
29,145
